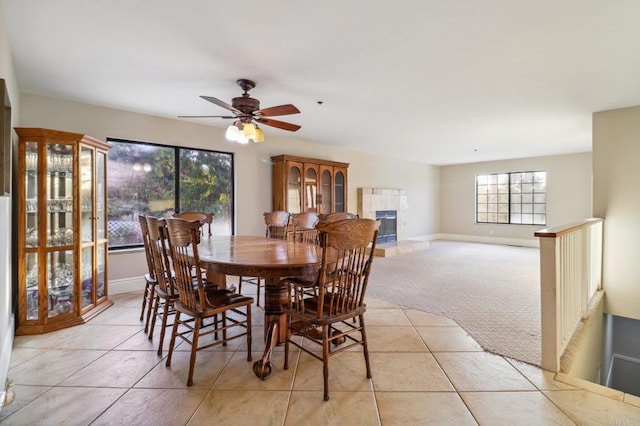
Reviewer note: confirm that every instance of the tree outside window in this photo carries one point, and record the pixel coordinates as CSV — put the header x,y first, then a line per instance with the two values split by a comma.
x,y
157,180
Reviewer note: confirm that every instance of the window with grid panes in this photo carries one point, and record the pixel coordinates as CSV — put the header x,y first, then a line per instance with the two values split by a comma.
x,y
512,198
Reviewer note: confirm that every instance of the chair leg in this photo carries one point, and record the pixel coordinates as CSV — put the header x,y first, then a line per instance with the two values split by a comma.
x,y
248,332
258,284
286,354
156,307
174,333
215,326
325,360
152,296
224,329
165,315
145,296
365,346
194,348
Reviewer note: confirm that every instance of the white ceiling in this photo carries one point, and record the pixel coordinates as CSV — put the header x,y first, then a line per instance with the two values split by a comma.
x,y
434,81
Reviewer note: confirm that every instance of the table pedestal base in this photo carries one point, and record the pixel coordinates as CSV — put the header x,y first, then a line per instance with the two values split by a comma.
x,y
276,330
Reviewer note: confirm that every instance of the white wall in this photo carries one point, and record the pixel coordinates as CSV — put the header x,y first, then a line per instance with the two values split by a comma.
x,y
568,196
616,189
252,162
6,315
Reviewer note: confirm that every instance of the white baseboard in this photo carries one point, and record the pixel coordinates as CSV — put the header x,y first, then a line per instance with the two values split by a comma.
x,y
126,285
490,240
5,358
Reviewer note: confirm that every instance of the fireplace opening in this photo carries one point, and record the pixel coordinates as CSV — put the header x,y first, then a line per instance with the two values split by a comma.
x,y
388,226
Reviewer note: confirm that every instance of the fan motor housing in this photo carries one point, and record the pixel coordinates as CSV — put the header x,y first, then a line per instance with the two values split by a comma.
x,y
246,104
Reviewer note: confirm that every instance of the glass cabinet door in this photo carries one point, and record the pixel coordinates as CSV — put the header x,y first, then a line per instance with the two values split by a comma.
x,y
61,282
310,189
86,276
86,194
101,270
31,230
33,295
87,221
59,186
340,192
294,181
326,186
101,196
31,194
59,207
101,224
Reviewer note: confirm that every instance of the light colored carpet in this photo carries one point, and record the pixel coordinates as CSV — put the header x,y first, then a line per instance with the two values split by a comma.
x,y
492,291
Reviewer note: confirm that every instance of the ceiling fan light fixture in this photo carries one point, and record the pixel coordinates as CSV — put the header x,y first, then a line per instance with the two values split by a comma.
x,y
259,137
242,139
245,110
249,130
232,133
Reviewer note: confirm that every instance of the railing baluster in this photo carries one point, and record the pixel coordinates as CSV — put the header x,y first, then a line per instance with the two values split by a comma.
x,y
570,272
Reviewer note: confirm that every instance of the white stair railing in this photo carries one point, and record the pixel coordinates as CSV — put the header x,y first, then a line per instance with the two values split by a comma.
x,y
570,275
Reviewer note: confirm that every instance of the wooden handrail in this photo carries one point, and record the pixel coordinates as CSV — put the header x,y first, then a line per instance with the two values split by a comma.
x,y
558,231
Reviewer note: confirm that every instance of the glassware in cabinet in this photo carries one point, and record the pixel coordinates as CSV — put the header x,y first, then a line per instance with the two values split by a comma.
x,y
60,283
59,188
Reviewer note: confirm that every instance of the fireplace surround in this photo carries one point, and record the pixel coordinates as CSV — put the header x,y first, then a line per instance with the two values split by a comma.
x,y
372,200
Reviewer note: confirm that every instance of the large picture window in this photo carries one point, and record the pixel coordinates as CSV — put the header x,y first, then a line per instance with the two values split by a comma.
x,y
516,198
159,180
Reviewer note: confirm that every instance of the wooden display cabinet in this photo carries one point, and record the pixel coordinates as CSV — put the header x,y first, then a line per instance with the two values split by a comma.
x,y
62,229
303,184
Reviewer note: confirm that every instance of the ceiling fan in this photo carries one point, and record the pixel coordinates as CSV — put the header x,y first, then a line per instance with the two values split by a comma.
x,y
246,113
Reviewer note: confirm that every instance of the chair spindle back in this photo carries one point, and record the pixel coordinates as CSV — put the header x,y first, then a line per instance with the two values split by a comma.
x,y
184,237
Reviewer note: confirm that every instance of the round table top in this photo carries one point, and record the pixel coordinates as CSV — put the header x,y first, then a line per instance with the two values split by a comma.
x,y
258,256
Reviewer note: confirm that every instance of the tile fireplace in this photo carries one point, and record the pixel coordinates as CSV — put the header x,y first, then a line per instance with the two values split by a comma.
x,y
373,200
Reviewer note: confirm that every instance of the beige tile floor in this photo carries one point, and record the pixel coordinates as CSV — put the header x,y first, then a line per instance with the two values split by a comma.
x,y
426,370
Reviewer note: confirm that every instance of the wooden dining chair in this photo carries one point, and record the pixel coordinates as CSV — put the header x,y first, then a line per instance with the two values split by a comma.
x,y
195,304
304,227
332,217
322,315
203,218
148,295
165,291
277,226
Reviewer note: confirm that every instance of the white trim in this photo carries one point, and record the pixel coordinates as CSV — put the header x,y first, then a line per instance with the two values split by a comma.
x,y
126,285
5,358
491,240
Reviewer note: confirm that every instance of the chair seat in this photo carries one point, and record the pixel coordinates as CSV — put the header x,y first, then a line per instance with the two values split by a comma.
x,y
217,301
310,312
226,298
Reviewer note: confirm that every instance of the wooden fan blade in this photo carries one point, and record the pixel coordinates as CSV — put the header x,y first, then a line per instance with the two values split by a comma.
x,y
277,110
207,116
278,124
221,103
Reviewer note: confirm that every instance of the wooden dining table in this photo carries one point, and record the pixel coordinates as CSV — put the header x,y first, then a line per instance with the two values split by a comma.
x,y
268,258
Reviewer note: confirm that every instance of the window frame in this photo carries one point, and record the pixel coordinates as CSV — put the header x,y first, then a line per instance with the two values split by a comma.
x,y
510,195
177,150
